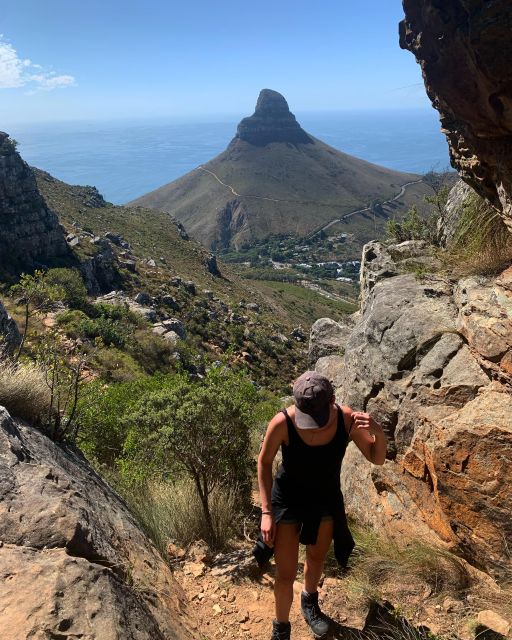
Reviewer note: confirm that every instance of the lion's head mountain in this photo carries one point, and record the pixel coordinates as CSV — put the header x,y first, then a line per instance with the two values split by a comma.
x,y
273,178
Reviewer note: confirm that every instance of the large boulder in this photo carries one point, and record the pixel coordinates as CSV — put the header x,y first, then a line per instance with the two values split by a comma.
x,y
328,337
463,47
430,359
73,561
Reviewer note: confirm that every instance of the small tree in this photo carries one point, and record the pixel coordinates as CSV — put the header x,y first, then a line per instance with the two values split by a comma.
x,y
37,296
64,376
200,429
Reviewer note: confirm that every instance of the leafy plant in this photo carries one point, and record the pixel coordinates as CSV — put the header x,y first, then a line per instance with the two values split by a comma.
x,y
70,282
37,295
200,429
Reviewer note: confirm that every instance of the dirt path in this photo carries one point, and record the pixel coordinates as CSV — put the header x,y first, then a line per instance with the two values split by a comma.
x,y
309,202
234,601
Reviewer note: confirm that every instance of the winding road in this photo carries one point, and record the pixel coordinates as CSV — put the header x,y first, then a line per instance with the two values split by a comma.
x,y
311,202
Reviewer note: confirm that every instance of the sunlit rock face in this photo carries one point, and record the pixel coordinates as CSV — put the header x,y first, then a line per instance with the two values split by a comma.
x,y
463,47
430,359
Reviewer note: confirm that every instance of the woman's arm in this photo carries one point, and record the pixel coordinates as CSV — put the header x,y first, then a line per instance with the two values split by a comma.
x,y
271,443
368,437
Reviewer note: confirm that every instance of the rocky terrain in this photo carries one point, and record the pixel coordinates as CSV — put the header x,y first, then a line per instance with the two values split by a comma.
x,y
73,561
429,357
31,235
274,178
463,47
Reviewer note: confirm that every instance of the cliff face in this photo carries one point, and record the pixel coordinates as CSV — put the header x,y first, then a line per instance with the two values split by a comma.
x,y
431,360
463,47
65,532
30,233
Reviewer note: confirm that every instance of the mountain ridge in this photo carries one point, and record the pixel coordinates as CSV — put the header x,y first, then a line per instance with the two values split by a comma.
x,y
272,178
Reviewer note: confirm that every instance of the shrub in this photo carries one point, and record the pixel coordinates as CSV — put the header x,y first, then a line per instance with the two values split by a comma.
x,y
70,322
412,227
115,365
102,410
70,282
23,391
110,332
199,429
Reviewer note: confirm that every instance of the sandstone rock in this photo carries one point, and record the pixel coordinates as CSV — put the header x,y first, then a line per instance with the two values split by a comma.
x,y
447,223
189,287
30,233
491,620
172,337
463,49
143,298
100,271
328,337
331,367
169,301
74,562
173,324
408,364
253,306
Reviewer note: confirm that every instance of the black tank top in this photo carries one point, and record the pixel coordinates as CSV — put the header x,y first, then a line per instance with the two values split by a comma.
x,y
313,470
307,486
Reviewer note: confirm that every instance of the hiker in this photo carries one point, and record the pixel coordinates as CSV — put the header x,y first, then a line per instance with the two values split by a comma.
x,y
304,503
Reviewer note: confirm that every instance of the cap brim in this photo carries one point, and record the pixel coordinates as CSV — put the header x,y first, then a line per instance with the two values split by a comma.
x,y
308,421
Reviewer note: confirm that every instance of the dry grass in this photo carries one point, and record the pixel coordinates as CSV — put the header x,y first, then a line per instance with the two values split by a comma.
x,y
23,391
381,565
482,242
173,512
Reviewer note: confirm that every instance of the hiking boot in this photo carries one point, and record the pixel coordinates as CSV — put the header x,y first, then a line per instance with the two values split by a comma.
x,y
312,614
280,630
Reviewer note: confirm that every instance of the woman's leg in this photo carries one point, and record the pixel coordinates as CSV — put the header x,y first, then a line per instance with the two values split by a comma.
x,y
315,556
286,554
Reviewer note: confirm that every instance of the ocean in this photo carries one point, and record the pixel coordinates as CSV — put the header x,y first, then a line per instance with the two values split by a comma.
x,y
125,159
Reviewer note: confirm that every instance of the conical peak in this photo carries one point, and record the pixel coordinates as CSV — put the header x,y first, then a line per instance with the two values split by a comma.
x,y
272,121
271,101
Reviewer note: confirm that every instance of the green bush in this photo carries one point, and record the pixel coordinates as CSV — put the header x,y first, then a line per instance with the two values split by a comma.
x,y
71,283
116,366
70,322
102,411
109,331
200,430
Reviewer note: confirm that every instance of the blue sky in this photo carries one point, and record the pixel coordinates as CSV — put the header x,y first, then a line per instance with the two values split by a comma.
x,y
103,59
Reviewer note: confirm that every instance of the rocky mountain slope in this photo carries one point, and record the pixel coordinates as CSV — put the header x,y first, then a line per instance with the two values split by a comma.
x,y
31,235
463,47
274,178
430,358
73,561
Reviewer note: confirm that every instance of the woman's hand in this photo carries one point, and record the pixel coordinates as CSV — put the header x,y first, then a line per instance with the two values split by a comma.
x,y
365,421
268,529
369,437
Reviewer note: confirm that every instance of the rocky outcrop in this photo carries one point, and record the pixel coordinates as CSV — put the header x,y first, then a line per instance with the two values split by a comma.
x,y
30,233
73,561
449,219
10,336
328,337
463,47
100,271
272,121
431,359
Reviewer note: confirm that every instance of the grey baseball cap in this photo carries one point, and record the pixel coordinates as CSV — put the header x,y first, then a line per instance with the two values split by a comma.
x,y
312,393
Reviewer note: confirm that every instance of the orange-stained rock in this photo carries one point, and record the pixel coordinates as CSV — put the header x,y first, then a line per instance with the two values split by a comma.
x,y
430,359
